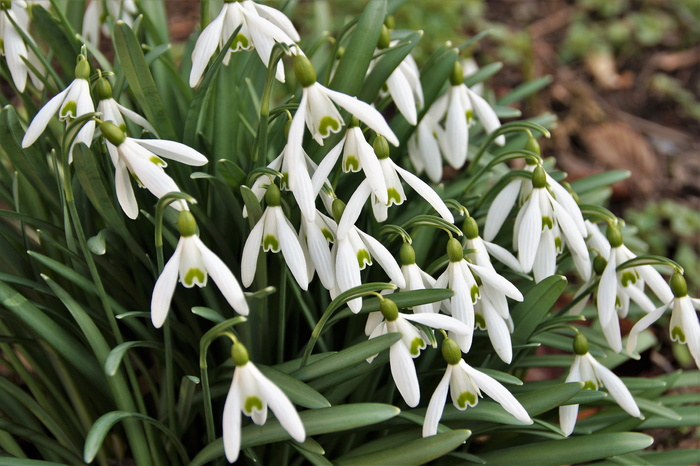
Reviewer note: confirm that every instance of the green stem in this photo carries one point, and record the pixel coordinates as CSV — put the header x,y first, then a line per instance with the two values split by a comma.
x,y
505,129
260,150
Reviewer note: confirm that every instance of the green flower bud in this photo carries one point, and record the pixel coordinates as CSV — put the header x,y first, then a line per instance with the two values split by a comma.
x,y
407,254
384,38
457,76
5,4
678,285
381,147
390,22
304,71
272,196
455,252
112,133
103,89
239,354
614,236
532,145
599,264
451,351
389,310
539,178
580,344
337,209
186,224
471,229
82,68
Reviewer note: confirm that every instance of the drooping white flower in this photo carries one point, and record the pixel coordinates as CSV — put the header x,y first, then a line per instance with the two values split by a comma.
x,y
416,278
71,103
261,27
97,12
617,287
423,145
142,158
14,23
251,393
317,107
684,326
114,112
192,262
544,226
593,375
390,320
465,385
274,233
314,237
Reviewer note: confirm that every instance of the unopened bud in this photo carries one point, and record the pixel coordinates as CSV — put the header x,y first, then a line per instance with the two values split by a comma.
x,y
239,354
304,71
451,351
455,252
580,344
186,224
457,75
384,38
389,310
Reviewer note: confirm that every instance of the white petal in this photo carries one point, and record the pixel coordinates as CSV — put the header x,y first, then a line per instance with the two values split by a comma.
x,y
607,290
207,44
567,418
642,325
122,184
364,112
437,404
353,208
691,327
503,256
402,95
486,115
656,282
573,236
291,249
173,150
251,250
42,118
320,176
497,331
456,130
429,148
232,421
164,288
223,278
569,203
500,208
545,264
426,192
498,393
439,321
280,405
404,373
494,279
347,271
530,231
373,320
616,388
384,258
278,19
136,118
15,49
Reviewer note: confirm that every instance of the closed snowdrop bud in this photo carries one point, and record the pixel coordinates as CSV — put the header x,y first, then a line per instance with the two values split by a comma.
x,y
112,133
407,254
304,71
532,145
580,344
455,253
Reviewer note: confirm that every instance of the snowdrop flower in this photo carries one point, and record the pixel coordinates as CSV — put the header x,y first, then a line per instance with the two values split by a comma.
x,y
71,103
251,392
142,158
542,228
97,12
314,237
113,112
617,287
261,26
684,327
318,110
593,375
193,262
423,145
352,251
13,46
390,320
465,385
416,278
274,233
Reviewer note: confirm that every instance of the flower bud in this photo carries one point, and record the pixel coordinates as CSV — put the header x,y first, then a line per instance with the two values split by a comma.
x,y
614,236
272,196
381,147
103,89
186,224
457,76
304,71
470,228
580,344
337,209
539,178
384,38
239,354
390,22
678,285
451,351
407,254
532,145
455,252
82,68
112,133
389,310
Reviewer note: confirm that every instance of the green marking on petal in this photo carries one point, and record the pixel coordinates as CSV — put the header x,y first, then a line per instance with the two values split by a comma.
x,y
480,321
466,398
363,258
557,243
351,164
589,385
470,116
617,302
328,124
271,243
194,275
474,293
251,403
677,334
394,196
327,234
241,42
416,345
547,222
155,160
123,127
69,110
628,278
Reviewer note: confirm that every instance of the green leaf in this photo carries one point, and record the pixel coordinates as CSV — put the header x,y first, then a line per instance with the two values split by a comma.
x,y
252,205
7,461
570,450
208,313
316,422
62,42
599,180
353,65
104,424
524,90
140,80
416,452
347,357
297,391
114,358
652,407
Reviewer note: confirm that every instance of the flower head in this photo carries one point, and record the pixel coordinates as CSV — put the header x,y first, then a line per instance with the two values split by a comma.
x,y
14,25
193,262
97,12
112,111
251,393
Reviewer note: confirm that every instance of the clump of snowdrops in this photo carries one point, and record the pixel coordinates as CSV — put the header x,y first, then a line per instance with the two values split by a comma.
x,y
373,276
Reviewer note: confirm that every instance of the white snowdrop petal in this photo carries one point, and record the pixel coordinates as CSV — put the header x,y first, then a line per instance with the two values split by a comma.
x,y
291,249
280,405
456,132
567,418
437,404
320,254
279,19
426,192
642,325
232,421
500,208
353,208
384,258
347,270
499,394
42,118
207,44
439,321
173,150
164,288
402,95
224,278
404,373
125,192
251,250
616,388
